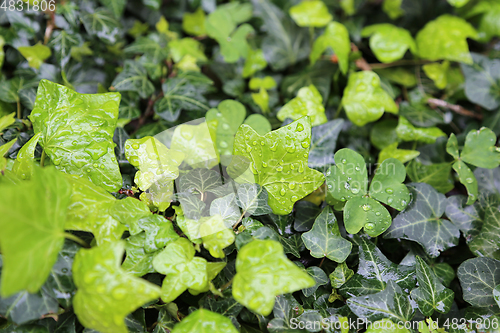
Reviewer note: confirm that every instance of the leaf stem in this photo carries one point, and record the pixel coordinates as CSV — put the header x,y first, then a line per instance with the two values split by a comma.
x,y
226,285
337,113
404,62
42,159
76,239
19,114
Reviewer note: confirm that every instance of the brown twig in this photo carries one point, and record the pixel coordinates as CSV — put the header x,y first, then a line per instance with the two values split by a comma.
x,y
453,107
404,62
51,25
361,63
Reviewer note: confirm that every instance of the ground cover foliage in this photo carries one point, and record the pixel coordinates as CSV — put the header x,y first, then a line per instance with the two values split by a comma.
x,y
249,166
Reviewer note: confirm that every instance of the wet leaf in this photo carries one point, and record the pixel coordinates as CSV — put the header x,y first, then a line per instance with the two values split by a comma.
x,y
24,164
421,221
387,187
307,103
479,149
77,132
282,169
253,198
484,243
35,54
30,245
138,262
262,273
215,235
478,278
107,294
340,275
323,143
407,132
431,294
182,269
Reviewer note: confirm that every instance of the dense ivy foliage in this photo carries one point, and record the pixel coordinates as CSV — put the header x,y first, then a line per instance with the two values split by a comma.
x,y
249,166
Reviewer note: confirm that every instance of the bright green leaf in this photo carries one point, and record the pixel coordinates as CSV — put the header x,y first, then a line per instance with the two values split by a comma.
x,y
387,187
106,294
458,3
182,269
445,38
393,8
307,103
30,245
262,273
204,321
255,62
335,37
266,82
466,177
186,46
310,14
194,23
392,151
216,236
438,73
479,149
24,164
7,120
77,132
35,54
388,42
278,161
367,213
407,132
364,99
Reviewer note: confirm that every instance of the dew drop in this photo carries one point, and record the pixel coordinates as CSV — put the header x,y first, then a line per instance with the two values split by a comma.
x,y
299,127
282,191
403,203
369,226
377,213
305,144
225,126
469,180
88,170
279,168
264,164
291,186
342,199
254,143
390,200
357,168
344,160
366,207
355,191
135,146
389,190
249,149
262,143
223,144
95,165
292,166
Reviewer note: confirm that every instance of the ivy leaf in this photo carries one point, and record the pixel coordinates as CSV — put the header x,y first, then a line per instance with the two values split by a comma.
x,y
194,23
364,99
361,212
115,6
197,143
484,242
437,175
77,132
205,321
478,278
285,308
431,294
387,186
285,43
310,14
227,208
466,177
200,181
335,37
307,103
407,132
255,62
388,42
106,294
393,8
159,232
445,38
252,198
158,167
279,162
230,115
177,261
348,178
374,271
7,120
215,235
421,221
184,92
102,24
133,77
479,149
488,24
340,275
391,303
438,73
179,48
392,151
138,262
24,164
325,240
62,42
323,143
30,245
319,276
262,273
35,54
481,81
